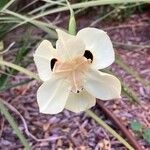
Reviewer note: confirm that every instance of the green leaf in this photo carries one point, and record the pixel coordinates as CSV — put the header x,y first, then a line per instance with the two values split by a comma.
x,y
136,126
13,124
146,135
21,53
3,3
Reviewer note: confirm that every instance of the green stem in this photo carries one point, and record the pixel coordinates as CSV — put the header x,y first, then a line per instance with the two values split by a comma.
x,y
8,4
83,5
13,124
130,93
15,85
21,69
108,128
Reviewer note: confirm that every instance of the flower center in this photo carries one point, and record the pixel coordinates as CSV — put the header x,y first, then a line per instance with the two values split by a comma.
x,y
73,71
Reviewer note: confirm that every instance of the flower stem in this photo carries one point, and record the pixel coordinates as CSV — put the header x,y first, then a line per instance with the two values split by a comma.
x,y
13,124
72,22
21,69
108,128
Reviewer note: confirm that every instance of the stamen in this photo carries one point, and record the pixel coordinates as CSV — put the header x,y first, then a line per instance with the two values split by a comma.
x,y
75,81
73,71
88,55
52,63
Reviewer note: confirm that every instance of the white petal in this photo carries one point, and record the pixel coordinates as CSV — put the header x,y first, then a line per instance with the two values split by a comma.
x,y
102,85
63,35
52,96
43,67
78,102
99,44
69,46
45,49
42,57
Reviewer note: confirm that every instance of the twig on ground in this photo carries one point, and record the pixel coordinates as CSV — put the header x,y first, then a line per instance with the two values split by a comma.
x,y
126,26
130,45
8,48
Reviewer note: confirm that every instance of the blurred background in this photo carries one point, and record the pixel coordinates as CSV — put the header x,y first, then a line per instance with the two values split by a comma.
x,y
23,24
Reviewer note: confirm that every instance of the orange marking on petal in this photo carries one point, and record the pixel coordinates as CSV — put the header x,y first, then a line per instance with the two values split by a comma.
x,y
73,71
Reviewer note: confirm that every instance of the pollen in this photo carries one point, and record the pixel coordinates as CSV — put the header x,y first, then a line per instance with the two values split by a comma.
x,y
73,71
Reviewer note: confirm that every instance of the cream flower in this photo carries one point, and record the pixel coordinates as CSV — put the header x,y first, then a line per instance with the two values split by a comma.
x,y
70,72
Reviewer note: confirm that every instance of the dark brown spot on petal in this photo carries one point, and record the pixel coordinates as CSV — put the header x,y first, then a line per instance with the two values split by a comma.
x,y
52,63
88,55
